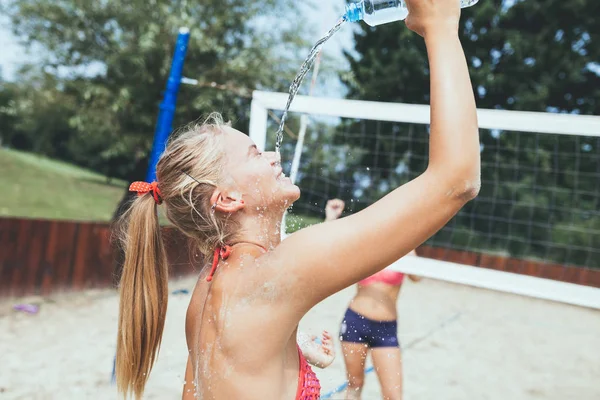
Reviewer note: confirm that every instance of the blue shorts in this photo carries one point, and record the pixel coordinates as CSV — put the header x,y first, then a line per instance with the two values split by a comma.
x,y
359,329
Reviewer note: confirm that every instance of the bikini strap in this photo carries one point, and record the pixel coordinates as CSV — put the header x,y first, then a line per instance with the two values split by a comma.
x,y
222,252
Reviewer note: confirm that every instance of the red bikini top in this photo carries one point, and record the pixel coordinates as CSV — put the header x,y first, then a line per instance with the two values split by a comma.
x,y
309,387
222,252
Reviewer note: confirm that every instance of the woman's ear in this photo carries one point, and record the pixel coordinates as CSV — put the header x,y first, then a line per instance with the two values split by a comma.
x,y
226,202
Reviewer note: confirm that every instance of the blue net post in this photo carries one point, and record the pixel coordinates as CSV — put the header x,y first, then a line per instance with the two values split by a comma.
x,y
164,125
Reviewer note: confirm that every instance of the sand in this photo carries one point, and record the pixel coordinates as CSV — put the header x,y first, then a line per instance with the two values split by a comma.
x,y
459,343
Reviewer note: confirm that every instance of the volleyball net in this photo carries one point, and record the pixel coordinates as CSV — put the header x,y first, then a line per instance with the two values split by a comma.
x,y
539,201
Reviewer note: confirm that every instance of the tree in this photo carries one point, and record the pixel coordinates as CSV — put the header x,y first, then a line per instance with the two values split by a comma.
x,y
7,112
112,58
534,56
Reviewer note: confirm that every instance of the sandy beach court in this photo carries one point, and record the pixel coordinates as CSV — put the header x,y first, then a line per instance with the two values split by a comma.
x,y
459,343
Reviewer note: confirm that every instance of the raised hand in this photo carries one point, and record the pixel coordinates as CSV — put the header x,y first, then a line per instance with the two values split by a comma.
x,y
319,352
327,349
334,209
425,16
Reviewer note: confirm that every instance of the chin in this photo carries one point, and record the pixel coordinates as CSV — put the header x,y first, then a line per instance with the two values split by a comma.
x,y
289,192
289,195
294,198
294,193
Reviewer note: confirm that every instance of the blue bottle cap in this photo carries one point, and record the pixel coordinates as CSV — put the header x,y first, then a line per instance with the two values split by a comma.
x,y
354,12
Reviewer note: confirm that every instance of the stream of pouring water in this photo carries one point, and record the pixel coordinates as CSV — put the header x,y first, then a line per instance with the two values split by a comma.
x,y
304,68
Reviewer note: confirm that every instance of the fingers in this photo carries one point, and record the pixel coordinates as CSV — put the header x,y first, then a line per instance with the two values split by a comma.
x,y
333,209
324,342
337,203
336,206
327,343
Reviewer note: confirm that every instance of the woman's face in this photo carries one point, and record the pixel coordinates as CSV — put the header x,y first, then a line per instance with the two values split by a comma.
x,y
256,177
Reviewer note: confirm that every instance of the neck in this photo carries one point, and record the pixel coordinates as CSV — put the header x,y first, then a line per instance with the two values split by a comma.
x,y
262,230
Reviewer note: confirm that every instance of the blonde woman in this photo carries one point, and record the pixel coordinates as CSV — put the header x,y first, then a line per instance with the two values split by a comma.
x,y
222,192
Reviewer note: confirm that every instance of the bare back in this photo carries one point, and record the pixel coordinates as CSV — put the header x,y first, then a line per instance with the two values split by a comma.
x,y
240,344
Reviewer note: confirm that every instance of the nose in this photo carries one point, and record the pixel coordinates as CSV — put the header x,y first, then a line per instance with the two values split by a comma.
x,y
274,158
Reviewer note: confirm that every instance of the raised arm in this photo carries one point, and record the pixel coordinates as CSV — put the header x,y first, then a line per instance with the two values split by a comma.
x,y
323,259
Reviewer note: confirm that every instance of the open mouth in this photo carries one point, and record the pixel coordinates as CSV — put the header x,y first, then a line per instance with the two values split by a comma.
x,y
281,175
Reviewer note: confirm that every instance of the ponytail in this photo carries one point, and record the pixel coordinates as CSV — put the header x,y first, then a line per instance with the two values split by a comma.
x,y
143,296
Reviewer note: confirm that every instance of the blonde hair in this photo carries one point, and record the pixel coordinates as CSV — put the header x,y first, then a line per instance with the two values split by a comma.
x,y
187,172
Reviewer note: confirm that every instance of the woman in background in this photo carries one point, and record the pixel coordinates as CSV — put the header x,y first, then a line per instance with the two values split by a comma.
x,y
370,324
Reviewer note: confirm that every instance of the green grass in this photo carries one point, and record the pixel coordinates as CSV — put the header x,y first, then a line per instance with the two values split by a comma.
x,y
38,187
33,186
295,222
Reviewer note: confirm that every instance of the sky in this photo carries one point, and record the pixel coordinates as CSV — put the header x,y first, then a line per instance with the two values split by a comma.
x,y
11,54
322,17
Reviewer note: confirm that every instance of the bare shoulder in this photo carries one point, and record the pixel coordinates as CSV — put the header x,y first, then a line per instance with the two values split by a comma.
x,y
245,295
193,315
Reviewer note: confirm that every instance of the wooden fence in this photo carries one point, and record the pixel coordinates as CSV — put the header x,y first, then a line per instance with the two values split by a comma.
x,y
41,256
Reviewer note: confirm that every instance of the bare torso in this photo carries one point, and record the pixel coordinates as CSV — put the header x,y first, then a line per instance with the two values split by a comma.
x,y
376,301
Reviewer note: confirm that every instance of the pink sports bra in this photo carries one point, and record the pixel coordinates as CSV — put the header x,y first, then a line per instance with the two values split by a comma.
x,y
386,276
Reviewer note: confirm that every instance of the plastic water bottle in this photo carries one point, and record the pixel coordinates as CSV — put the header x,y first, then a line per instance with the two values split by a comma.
x,y
377,12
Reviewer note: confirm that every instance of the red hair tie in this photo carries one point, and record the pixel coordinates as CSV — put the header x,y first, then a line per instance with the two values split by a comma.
x,y
143,188
223,252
